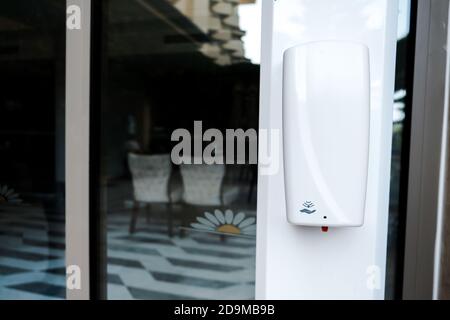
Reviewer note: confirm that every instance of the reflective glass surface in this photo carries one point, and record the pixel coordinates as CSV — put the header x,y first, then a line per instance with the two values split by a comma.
x,y
32,86
179,224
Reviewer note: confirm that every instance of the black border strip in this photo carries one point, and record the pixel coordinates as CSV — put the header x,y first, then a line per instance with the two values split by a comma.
x,y
405,154
97,239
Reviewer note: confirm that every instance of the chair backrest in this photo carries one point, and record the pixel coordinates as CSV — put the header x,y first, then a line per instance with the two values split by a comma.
x,y
151,175
202,184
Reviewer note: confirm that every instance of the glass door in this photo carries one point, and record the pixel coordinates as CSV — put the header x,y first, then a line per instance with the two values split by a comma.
x,y
177,149
32,179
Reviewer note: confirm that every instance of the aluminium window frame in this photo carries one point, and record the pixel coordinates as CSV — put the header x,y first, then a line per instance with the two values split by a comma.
x,y
78,90
424,199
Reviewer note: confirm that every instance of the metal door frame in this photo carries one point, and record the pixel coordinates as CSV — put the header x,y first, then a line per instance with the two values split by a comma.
x,y
427,151
78,75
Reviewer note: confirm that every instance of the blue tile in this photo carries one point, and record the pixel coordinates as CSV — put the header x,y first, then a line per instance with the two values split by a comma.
x,y
146,240
125,263
7,270
115,279
191,281
215,253
144,294
193,264
42,288
29,256
125,248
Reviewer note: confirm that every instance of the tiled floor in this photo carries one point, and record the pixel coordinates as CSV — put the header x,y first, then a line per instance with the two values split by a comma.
x,y
146,265
31,247
200,265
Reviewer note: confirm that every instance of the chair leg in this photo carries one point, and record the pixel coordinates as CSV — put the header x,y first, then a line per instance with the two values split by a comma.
x,y
182,232
253,182
134,216
187,213
147,208
170,220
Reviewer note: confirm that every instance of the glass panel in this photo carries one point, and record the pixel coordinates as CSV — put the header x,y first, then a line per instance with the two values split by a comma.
x,y
400,148
172,70
32,86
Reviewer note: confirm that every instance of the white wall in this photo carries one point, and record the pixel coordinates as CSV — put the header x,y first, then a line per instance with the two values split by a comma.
x,y
304,263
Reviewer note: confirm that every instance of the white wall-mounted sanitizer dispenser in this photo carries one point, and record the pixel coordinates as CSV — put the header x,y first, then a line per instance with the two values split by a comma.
x,y
326,113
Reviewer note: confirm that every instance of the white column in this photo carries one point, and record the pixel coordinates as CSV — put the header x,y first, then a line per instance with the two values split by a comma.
x,y
77,148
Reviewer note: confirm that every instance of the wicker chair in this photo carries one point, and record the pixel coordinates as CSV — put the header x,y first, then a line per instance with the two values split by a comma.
x,y
151,184
202,184
202,190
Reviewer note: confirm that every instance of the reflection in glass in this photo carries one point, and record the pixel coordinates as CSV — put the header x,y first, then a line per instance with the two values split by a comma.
x,y
177,231
32,62
400,150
